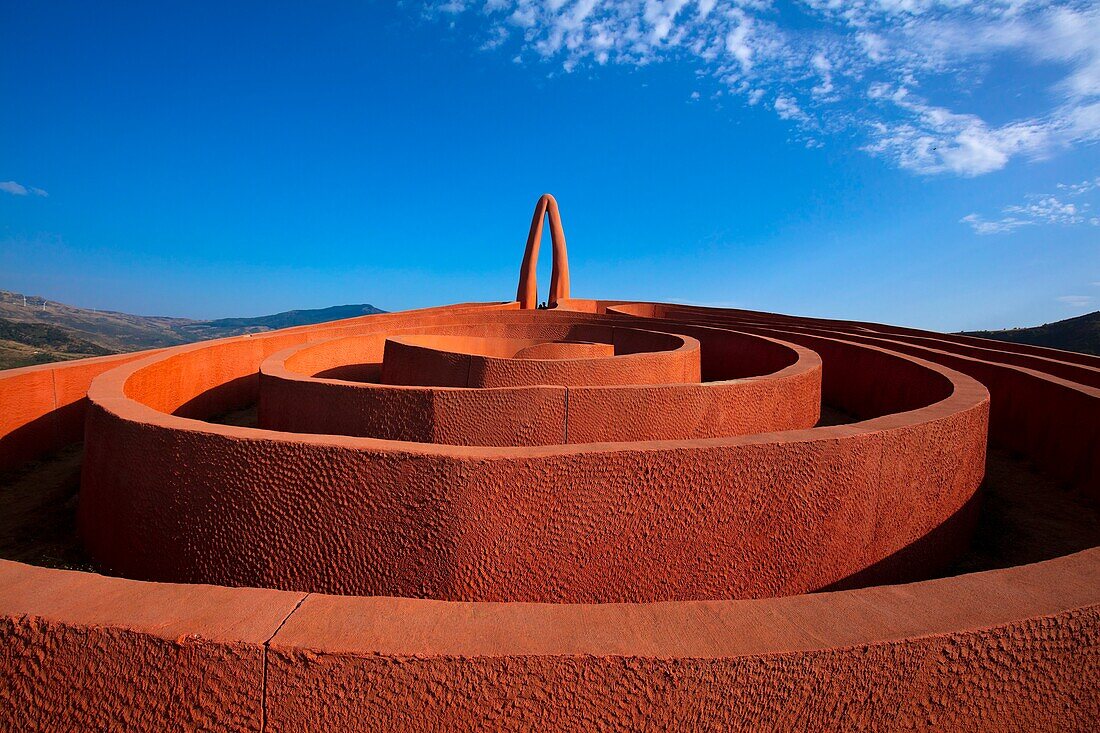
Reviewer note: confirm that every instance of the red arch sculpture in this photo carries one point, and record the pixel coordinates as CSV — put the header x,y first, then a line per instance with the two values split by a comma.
x,y
527,295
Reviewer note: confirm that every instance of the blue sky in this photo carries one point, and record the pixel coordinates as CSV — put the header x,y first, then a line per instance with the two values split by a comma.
x,y
906,161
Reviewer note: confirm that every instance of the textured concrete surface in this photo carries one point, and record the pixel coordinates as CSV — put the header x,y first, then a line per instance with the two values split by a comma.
x,y
886,658
85,652
474,361
875,501
757,401
731,517
565,350
1038,409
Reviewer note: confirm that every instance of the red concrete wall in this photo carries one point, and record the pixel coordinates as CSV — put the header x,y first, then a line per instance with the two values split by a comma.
x,y
853,660
1004,650
786,399
738,517
1045,415
42,407
451,360
565,350
508,416
86,652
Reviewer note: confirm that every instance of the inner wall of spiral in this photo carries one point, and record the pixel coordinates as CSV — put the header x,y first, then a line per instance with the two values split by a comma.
x,y
552,456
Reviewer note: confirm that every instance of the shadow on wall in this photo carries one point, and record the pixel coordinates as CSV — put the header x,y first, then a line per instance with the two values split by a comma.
x,y
938,549
236,394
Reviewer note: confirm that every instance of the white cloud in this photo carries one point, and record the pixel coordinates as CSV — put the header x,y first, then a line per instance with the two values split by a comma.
x,y
739,41
18,189
1049,210
495,40
1076,189
452,7
879,68
787,108
824,67
873,45
1076,301
935,140
997,226
1043,208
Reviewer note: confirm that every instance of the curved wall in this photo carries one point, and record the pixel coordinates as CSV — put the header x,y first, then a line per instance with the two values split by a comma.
x,y
1037,409
1015,649
293,401
741,517
450,360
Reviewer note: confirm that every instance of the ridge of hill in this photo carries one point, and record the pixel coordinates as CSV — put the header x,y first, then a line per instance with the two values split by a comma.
x,y
1081,333
36,331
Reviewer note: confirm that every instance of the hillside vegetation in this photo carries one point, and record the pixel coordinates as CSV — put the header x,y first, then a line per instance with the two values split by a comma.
x,y
37,331
1073,334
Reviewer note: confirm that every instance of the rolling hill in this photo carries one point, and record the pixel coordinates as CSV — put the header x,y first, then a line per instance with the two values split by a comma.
x,y
36,331
1073,334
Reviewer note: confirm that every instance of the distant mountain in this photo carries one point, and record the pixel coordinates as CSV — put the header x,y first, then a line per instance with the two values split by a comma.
x,y
36,331
230,326
1073,334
